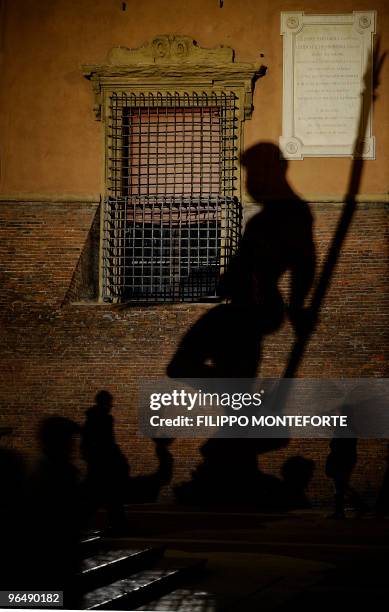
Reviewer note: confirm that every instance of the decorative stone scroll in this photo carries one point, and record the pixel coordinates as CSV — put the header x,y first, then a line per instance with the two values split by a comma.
x,y
172,62
325,60
169,48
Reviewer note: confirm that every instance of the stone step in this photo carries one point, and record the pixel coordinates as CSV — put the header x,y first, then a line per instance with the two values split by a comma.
x,y
183,600
143,586
108,565
89,545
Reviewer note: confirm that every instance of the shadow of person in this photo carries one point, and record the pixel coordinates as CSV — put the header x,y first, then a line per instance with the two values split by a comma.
x,y
340,465
382,504
226,341
56,511
107,479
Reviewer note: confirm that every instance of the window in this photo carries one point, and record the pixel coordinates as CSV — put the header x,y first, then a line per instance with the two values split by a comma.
x,y
171,221
172,214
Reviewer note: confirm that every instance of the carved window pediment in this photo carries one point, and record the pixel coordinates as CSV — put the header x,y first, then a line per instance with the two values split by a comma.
x,y
173,49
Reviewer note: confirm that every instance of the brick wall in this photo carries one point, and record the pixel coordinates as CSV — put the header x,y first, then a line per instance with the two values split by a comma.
x,y
56,354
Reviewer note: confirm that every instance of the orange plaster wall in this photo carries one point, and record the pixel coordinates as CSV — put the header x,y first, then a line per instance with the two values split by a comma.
x,y
50,141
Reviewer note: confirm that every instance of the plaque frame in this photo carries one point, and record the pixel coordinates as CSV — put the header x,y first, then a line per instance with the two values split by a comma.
x,y
291,146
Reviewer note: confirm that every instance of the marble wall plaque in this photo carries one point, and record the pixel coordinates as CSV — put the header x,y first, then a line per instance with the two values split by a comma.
x,y
324,64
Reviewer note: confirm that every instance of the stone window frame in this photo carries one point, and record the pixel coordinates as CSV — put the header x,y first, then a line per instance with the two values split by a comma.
x,y
172,63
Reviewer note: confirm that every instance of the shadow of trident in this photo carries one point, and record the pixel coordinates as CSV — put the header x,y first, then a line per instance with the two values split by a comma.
x,y
370,84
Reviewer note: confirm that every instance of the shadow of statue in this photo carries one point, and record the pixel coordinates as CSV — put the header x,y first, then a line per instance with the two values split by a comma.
x,y
228,475
226,341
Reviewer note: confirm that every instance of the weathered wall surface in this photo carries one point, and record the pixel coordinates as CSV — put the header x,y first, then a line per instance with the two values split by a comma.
x,y
51,143
56,354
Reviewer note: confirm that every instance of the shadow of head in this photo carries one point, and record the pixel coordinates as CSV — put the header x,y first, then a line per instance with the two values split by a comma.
x,y
266,172
104,401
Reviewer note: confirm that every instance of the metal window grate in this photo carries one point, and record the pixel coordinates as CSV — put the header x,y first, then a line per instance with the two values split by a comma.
x,y
159,248
170,221
172,144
